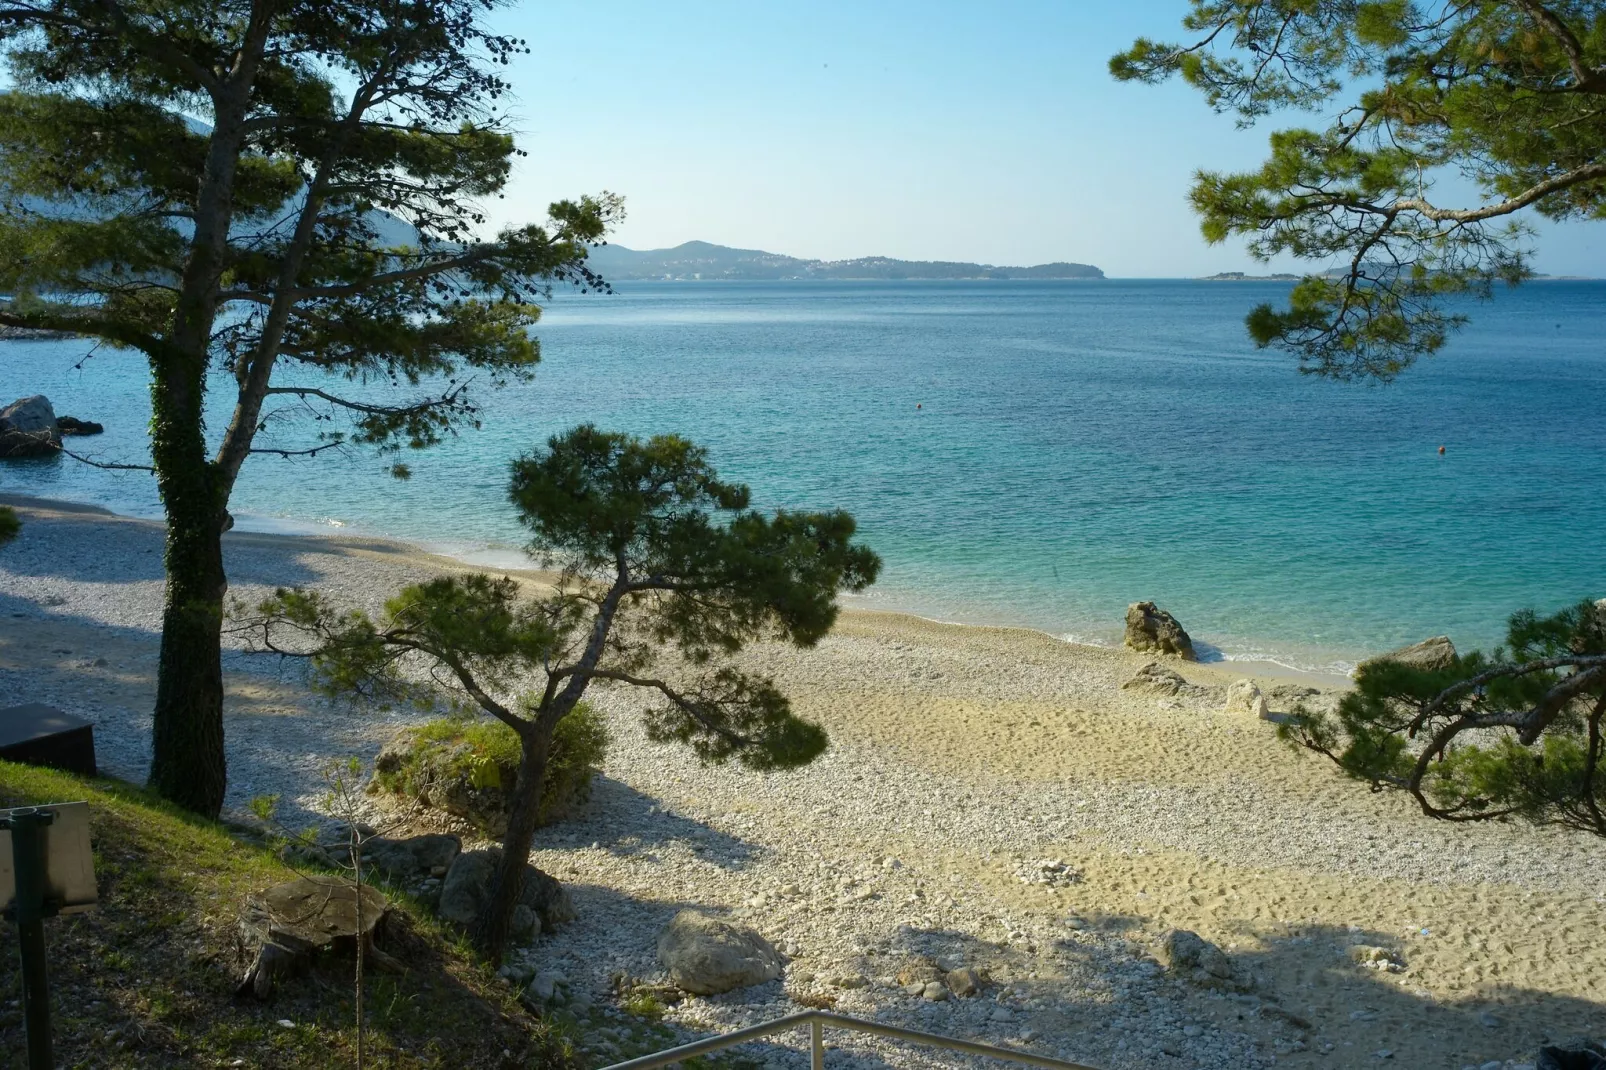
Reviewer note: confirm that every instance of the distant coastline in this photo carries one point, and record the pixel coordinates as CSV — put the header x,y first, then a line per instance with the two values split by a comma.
x,y
698,261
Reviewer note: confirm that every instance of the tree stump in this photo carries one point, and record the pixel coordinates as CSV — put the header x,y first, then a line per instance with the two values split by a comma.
x,y
283,927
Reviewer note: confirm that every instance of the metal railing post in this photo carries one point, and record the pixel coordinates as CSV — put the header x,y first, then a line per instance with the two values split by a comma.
x,y
817,1043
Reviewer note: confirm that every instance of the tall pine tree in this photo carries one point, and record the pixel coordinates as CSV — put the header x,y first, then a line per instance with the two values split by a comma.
x,y
278,200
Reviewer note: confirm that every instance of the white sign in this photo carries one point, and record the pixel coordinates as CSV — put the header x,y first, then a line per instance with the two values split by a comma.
x,y
69,863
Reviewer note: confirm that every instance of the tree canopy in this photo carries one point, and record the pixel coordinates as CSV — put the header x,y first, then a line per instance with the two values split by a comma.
x,y
1506,96
663,571
281,201
1518,731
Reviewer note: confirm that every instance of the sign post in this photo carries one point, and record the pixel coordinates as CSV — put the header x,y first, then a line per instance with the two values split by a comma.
x,y
46,868
28,860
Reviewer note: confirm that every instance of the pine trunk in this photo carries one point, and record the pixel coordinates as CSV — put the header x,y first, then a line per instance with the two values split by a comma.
x,y
491,930
187,763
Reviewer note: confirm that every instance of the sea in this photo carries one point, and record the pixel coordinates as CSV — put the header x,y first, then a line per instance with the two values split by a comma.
x,y
1035,454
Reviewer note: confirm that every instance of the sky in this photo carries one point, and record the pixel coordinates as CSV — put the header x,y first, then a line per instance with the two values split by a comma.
x,y
924,131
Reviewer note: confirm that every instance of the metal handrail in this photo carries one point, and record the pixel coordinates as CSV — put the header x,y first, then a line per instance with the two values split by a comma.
x,y
817,1021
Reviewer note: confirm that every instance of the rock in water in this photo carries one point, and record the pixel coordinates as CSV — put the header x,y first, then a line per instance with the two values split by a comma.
x,y
285,925
705,956
1148,627
1430,654
72,425
1156,678
1245,700
28,428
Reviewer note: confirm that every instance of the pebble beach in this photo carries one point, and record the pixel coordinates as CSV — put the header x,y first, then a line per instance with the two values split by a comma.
x,y
992,799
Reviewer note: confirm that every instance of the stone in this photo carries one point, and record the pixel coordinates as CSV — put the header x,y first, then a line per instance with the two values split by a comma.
x,y
1156,679
935,991
1150,628
525,925
72,425
1431,654
1182,950
706,956
849,980
28,428
1375,958
467,889
965,982
546,985
919,971
1244,699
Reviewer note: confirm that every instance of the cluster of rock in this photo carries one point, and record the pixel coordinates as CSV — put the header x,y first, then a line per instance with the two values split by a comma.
x,y
1189,956
1048,872
439,873
29,427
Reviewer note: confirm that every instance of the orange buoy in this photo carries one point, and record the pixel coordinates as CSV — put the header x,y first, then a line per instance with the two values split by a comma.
x,y
1441,451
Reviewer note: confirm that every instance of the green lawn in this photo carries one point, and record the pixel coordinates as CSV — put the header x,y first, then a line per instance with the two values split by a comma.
x,y
147,978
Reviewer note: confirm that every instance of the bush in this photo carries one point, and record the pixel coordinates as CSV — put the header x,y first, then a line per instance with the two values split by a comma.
x,y
468,766
9,524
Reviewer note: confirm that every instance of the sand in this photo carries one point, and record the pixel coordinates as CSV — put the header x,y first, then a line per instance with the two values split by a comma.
x,y
961,751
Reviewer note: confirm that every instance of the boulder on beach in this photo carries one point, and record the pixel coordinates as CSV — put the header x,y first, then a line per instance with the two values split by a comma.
x,y
28,428
1156,679
706,956
1187,954
1244,699
1430,654
1150,628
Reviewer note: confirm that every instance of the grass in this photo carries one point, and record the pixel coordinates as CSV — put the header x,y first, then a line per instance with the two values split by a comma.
x,y
491,758
147,978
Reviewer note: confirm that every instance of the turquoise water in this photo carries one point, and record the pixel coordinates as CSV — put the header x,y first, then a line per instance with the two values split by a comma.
x,y
1076,446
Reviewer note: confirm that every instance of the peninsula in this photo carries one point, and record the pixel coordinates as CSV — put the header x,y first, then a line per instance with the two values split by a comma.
x,y
698,260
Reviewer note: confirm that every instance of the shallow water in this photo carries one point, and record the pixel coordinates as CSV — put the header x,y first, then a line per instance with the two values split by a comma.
x,y
1076,446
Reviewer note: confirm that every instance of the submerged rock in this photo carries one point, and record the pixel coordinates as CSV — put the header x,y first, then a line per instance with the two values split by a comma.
x,y
1150,628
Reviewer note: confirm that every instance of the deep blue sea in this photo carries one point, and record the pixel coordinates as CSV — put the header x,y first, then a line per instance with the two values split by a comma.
x,y
1023,453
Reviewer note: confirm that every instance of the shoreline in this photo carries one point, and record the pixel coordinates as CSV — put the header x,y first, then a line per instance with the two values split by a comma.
x,y
991,796
503,559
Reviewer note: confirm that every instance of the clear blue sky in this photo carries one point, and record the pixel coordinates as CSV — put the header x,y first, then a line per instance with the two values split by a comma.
x,y
985,132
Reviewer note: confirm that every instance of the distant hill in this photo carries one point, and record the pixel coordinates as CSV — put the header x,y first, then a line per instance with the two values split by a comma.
x,y
705,261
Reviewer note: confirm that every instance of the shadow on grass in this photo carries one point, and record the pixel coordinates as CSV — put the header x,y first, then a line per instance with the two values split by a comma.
x,y
147,978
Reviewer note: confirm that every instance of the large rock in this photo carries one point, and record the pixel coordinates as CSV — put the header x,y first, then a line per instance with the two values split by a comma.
x,y
467,890
1150,628
705,956
1431,654
28,428
448,775
1245,700
1156,679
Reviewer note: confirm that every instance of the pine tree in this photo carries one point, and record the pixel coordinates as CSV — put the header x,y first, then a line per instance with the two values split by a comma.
x,y
1506,94
664,573
278,200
